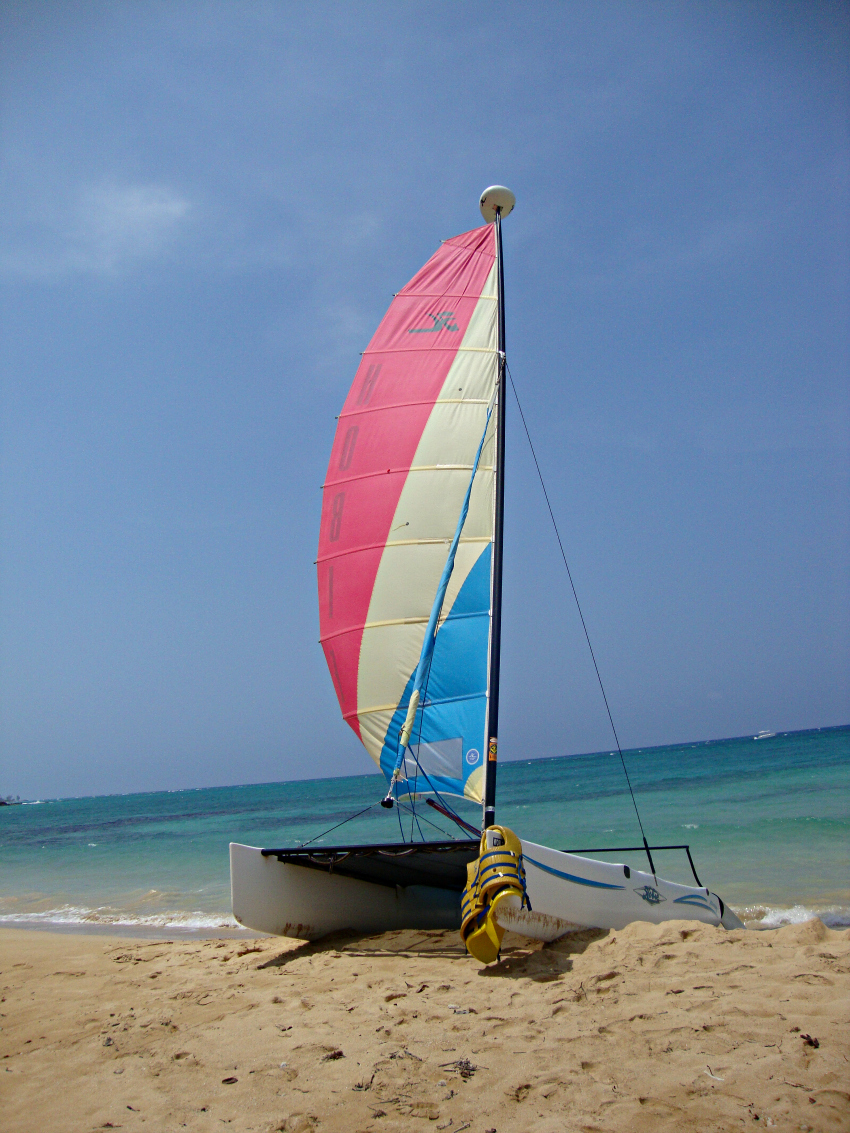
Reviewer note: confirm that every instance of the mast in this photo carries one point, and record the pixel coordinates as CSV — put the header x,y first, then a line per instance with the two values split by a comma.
x,y
496,202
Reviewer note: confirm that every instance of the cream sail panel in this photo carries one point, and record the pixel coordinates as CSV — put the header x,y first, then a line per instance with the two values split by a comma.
x,y
474,786
472,376
406,586
397,648
373,728
390,652
411,569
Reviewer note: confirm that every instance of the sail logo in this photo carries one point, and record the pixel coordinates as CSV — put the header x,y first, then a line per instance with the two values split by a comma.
x,y
368,387
336,517
650,895
348,444
472,756
443,321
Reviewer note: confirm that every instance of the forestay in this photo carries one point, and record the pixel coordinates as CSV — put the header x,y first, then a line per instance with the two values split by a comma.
x,y
400,468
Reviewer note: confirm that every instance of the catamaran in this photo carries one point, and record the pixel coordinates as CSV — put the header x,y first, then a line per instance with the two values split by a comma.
x,y
410,601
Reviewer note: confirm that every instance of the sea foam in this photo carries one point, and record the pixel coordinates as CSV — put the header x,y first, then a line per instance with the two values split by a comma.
x,y
68,915
767,916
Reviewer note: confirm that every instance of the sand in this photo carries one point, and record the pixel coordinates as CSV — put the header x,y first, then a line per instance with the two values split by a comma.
x,y
674,1027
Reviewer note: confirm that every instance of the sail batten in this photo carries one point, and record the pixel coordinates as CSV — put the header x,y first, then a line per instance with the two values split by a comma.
x,y
403,543
406,349
409,404
407,471
402,463
398,622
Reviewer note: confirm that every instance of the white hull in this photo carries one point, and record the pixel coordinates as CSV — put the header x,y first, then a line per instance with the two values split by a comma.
x,y
567,892
293,900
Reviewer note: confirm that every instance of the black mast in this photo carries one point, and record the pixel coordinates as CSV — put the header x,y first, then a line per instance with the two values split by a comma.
x,y
490,765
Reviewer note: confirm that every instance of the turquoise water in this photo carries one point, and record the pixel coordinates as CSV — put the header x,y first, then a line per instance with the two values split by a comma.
x,y
768,823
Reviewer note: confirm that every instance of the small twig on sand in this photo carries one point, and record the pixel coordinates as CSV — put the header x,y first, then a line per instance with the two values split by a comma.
x,y
463,1066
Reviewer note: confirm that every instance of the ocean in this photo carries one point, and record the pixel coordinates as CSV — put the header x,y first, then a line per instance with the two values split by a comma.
x,y
767,820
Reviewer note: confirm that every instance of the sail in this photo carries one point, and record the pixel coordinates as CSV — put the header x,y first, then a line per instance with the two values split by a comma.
x,y
399,474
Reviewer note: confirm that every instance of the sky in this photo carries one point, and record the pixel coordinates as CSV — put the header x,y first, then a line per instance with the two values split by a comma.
x,y
206,208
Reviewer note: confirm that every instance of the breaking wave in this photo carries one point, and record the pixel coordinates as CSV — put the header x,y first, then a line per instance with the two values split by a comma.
x,y
72,915
772,916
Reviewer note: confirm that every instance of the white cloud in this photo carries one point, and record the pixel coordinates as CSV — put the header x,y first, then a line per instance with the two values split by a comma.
x,y
102,229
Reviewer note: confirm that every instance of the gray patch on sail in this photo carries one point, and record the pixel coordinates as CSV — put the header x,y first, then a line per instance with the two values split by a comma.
x,y
443,758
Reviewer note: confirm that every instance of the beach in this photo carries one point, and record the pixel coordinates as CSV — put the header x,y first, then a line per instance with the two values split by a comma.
x,y
131,998
647,1028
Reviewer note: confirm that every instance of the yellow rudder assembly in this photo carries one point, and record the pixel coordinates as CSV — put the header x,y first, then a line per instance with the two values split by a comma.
x,y
496,878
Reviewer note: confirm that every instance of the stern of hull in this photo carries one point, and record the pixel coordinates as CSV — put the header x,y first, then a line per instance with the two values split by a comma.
x,y
291,900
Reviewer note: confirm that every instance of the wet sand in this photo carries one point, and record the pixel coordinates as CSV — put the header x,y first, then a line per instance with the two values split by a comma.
x,y
670,1027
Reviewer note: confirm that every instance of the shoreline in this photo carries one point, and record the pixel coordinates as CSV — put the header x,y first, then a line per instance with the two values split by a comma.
x,y
136,932
757,918
643,1029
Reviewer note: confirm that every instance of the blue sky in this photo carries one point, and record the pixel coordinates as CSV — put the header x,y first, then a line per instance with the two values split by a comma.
x,y
206,209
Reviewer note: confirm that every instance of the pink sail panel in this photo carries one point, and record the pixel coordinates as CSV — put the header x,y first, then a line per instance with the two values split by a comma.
x,y
397,383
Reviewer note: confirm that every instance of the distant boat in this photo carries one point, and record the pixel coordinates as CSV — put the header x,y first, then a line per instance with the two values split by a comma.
x,y
410,603
764,735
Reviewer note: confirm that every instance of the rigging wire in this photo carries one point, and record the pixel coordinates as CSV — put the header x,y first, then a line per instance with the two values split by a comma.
x,y
581,616
416,757
446,808
412,805
400,829
414,817
350,818
430,823
465,826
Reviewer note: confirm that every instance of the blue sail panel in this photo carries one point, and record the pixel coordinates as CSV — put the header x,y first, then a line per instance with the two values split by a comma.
x,y
447,743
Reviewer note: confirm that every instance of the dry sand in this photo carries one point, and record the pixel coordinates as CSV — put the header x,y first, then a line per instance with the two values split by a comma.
x,y
677,1027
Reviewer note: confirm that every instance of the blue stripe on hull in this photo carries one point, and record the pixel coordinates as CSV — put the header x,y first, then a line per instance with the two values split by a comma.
x,y
571,877
696,900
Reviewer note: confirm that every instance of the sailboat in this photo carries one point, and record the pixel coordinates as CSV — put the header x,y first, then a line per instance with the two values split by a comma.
x,y
410,602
